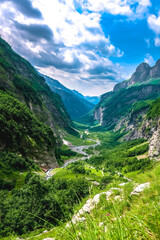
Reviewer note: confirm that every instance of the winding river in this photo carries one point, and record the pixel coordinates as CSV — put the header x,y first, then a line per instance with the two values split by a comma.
x,y
78,149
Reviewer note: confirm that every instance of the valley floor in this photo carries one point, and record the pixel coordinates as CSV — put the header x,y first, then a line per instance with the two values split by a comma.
x,y
123,201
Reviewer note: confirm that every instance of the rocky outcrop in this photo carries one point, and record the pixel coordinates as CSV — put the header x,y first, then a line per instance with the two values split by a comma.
x,y
142,74
140,188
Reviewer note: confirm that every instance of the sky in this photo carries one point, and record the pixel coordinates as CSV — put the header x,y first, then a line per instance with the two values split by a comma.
x,y
87,45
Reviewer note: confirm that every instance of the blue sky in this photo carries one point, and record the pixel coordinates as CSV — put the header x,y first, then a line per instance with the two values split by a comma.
x,y
88,45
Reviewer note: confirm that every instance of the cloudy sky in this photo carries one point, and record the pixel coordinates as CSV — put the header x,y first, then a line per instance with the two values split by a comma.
x,y
88,45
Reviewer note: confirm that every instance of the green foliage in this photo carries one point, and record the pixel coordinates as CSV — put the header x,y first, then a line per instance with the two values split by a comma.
x,y
115,155
77,167
154,110
26,88
20,130
10,165
138,150
39,204
106,180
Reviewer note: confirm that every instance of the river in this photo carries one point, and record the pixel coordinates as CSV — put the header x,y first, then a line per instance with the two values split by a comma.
x,y
78,149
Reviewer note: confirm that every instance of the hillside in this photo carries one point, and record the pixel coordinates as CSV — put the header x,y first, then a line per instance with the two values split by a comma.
x,y
32,116
129,98
19,79
75,104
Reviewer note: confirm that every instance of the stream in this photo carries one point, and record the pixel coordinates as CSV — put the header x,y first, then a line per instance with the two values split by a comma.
x,y
78,149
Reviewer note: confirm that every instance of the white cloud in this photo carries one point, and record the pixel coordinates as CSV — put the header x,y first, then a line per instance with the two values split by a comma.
x,y
149,59
118,7
79,53
154,23
157,42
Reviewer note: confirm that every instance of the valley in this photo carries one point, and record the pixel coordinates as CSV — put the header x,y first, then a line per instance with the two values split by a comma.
x,y
93,178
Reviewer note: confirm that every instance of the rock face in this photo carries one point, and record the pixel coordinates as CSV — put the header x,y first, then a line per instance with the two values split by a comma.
x,y
126,107
142,74
154,149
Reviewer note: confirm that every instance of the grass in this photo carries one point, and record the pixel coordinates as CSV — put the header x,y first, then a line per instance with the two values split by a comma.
x,y
132,218
78,141
136,217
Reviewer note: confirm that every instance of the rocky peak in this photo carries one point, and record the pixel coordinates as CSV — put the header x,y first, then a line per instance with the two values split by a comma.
x,y
141,73
155,71
142,67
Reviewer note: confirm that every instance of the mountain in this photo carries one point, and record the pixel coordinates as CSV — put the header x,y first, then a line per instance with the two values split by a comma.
x,y
126,108
30,111
76,105
94,99
144,74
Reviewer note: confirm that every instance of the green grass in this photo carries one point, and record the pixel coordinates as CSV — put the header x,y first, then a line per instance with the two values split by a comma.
x,y
77,141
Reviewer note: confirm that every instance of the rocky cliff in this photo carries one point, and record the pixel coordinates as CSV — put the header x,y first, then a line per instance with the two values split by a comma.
x,y
142,75
126,108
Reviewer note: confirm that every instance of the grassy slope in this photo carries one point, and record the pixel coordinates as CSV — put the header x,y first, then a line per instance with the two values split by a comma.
x,y
128,219
132,218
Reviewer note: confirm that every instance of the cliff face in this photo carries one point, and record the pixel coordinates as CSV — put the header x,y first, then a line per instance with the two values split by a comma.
x,y
142,74
126,107
121,105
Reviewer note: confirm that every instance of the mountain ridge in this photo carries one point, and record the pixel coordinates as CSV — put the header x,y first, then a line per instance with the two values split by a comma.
x,y
75,103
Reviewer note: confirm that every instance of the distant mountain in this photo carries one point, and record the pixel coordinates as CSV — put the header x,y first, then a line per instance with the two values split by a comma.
x,y
144,74
75,103
78,94
94,99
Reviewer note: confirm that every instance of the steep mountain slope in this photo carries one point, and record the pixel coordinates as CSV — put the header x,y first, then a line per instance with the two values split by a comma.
x,y
129,97
32,117
21,132
19,78
126,107
75,104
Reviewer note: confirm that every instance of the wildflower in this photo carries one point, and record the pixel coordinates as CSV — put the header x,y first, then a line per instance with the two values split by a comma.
x,y
107,214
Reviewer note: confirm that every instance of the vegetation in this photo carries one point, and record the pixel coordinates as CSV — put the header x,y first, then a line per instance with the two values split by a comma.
x,y
20,80
154,110
39,204
20,130
120,103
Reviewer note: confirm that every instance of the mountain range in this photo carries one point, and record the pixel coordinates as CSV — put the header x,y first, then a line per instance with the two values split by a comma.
x,y
75,103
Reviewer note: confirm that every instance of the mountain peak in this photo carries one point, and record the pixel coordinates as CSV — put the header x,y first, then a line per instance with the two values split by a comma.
x,y
143,66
